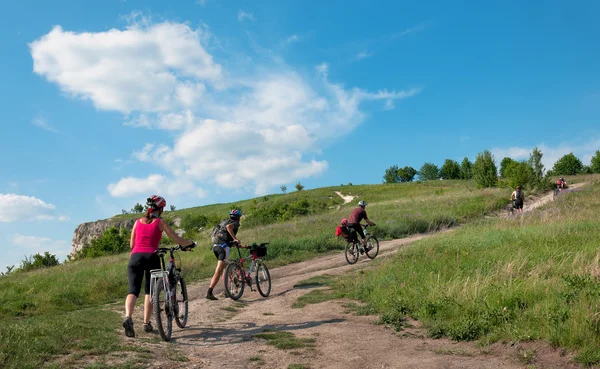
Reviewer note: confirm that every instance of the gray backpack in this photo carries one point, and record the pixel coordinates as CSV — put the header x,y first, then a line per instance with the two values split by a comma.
x,y
218,233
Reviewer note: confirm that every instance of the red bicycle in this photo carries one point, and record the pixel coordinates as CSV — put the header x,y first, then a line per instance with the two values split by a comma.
x,y
236,277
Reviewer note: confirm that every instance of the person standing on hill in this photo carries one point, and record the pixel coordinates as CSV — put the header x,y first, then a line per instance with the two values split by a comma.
x,y
223,237
358,214
145,237
517,198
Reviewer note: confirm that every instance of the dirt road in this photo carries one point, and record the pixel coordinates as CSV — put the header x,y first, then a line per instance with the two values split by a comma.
x,y
220,333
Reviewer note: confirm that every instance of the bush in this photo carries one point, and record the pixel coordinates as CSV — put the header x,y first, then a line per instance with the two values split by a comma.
x,y
568,165
484,170
113,241
38,261
192,222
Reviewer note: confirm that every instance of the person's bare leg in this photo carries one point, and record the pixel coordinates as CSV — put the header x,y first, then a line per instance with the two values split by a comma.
x,y
147,309
130,304
215,279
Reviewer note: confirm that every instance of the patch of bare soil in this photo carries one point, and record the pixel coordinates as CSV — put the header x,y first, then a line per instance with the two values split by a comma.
x,y
346,199
220,334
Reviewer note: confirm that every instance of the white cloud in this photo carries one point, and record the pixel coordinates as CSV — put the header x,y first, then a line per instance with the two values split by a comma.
x,y
290,40
201,2
253,128
41,122
363,55
242,15
39,245
583,149
141,68
153,184
23,208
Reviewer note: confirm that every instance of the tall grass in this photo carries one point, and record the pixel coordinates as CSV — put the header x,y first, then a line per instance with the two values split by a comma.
x,y
528,277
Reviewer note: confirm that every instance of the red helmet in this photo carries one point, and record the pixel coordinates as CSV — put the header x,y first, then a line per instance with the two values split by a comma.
x,y
156,202
344,222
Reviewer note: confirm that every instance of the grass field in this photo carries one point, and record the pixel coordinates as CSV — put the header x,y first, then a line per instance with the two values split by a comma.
x,y
517,279
42,308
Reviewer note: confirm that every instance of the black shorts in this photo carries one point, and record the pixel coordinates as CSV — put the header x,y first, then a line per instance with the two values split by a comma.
x,y
518,204
140,265
358,228
221,252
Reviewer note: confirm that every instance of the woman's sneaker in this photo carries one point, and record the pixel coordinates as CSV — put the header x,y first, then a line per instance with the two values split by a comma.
x,y
128,325
148,327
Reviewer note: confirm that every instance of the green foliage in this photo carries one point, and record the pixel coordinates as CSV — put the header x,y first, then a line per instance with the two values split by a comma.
x,y
283,211
299,186
172,207
568,165
113,241
9,269
484,170
194,222
37,261
450,170
519,173
137,208
283,188
595,163
407,174
394,174
466,169
535,162
429,171
391,175
504,164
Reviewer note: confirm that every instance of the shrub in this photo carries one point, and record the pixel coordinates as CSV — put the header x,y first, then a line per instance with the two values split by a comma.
x,y
192,222
113,241
38,261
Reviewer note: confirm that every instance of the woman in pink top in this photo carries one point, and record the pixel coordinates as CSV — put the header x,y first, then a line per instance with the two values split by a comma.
x,y
145,237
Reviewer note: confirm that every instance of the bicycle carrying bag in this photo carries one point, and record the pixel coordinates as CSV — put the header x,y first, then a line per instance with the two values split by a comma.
x,y
259,251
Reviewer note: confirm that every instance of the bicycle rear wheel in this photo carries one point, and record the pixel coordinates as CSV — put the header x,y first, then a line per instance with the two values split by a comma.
x,y
351,252
234,281
372,247
263,280
181,312
162,311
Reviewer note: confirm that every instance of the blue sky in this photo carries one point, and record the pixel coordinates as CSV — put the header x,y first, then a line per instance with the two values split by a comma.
x,y
107,102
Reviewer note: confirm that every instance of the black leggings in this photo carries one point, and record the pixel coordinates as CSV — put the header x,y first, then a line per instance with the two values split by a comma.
x,y
139,266
358,228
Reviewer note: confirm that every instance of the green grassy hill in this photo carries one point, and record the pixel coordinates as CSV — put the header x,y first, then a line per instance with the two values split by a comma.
x,y
531,277
61,309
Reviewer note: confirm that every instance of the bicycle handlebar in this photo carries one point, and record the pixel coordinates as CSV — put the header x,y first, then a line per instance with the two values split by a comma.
x,y
176,248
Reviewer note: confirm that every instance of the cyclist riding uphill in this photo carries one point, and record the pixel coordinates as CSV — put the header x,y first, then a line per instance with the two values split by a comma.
x,y
223,236
145,237
357,215
517,199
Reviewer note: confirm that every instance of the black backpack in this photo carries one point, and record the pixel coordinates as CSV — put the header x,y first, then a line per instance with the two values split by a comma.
x,y
219,234
518,195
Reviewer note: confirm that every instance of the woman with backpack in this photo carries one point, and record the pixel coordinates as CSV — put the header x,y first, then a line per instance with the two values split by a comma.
x,y
517,198
223,236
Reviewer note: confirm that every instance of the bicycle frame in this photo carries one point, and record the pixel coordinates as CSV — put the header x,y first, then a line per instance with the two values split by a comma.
x,y
240,260
167,274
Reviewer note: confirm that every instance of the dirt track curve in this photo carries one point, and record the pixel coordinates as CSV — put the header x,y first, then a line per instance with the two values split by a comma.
x,y
220,333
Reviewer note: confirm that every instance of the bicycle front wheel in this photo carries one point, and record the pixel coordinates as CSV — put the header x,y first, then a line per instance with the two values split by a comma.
x,y
234,281
351,252
263,280
181,307
372,247
162,311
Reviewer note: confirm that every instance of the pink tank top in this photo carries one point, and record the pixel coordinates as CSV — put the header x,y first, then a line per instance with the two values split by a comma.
x,y
147,236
